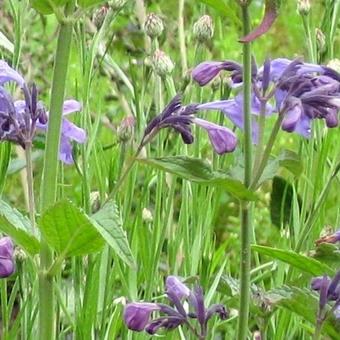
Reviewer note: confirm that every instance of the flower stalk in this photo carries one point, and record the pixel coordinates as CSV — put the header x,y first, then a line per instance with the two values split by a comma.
x,y
246,207
50,172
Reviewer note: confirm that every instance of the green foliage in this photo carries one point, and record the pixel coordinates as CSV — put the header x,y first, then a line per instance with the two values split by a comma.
x,y
5,156
47,6
69,231
199,171
304,263
17,226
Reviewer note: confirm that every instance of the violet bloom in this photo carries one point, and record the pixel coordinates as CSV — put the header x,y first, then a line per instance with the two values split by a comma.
x,y
7,266
332,238
137,316
20,119
329,290
180,118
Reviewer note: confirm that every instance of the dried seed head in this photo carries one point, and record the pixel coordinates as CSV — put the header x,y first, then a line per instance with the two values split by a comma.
x,y
320,39
303,7
203,29
153,26
162,64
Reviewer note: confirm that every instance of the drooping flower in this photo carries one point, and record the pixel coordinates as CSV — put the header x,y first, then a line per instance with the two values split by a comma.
x,y
180,118
19,119
7,266
137,316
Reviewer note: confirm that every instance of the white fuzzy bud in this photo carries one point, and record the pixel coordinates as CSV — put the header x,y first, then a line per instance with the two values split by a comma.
x,y
162,64
303,7
203,29
153,26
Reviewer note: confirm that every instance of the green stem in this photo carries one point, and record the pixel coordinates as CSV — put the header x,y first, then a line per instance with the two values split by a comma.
x,y
310,46
50,173
262,123
30,185
181,36
246,221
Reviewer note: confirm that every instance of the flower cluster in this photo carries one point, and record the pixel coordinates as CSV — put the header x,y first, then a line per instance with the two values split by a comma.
x,y
137,315
329,290
7,266
19,119
302,92
180,118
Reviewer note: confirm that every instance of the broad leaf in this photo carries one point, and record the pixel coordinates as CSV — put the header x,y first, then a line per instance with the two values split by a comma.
x,y
199,171
69,230
18,227
305,264
44,7
304,303
89,3
109,225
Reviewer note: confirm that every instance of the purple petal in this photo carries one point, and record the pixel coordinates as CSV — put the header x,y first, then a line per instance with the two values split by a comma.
x,y
176,287
70,106
7,266
332,118
7,74
303,126
317,282
137,314
65,151
222,139
73,132
206,71
291,117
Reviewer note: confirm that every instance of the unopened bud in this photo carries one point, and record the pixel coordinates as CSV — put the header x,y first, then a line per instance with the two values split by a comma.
x,y
125,130
203,28
117,4
153,26
334,64
147,215
99,16
95,201
303,7
162,64
257,335
320,39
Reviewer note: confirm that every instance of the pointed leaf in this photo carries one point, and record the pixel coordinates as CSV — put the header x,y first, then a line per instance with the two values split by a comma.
x,y
109,225
199,171
69,231
305,264
18,227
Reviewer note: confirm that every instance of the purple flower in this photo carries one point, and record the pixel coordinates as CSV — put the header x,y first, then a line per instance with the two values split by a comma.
x,y
8,74
6,257
332,238
222,139
180,119
137,314
69,132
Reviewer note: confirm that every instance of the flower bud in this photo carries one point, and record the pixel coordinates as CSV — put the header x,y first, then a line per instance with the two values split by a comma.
x,y
153,26
203,29
125,130
99,15
320,39
162,64
303,7
6,257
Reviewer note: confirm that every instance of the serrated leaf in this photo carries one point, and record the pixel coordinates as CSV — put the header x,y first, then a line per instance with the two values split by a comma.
x,y
109,225
304,303
305,264
199,171
18,227
69,231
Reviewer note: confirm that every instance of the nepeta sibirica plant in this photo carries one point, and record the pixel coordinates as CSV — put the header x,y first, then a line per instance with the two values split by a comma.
x,y
205,147
185,307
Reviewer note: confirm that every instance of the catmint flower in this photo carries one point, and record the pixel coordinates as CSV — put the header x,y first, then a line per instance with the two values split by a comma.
x,y
180,118
203,29
138,316
303,7
153,25
162,64
7,266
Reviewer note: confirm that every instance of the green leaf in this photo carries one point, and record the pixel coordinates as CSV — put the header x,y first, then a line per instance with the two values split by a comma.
x,y
109,225
199,171
69,231
5,156
90,3
328,253
44,7
305,264
224,9
18,227
304,303
291,161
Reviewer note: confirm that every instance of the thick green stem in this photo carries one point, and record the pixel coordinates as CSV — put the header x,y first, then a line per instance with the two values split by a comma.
x,y
30,186
181,36
246,221
50,173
